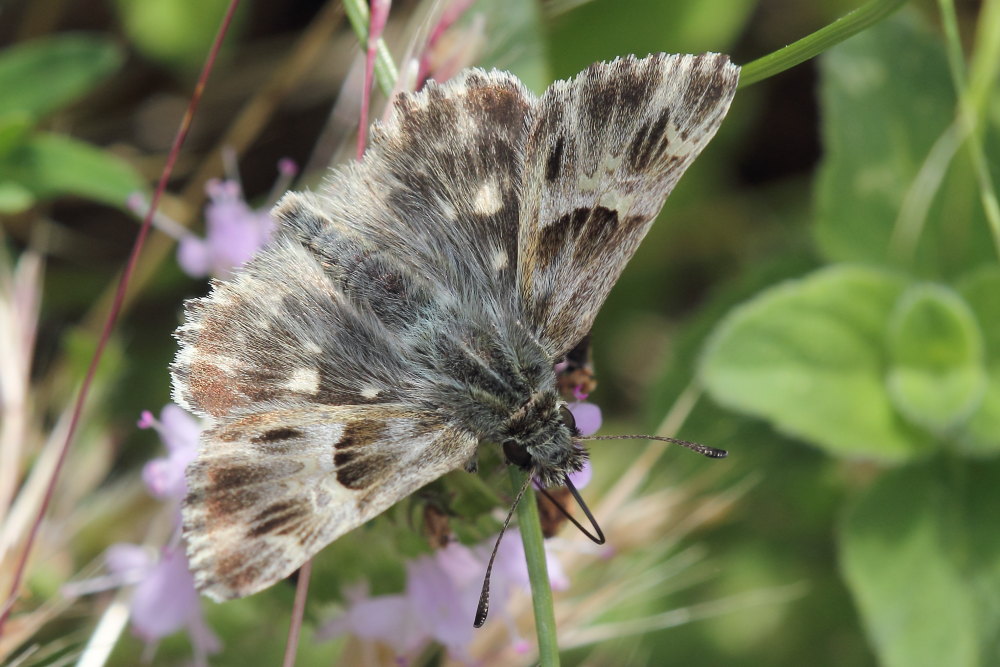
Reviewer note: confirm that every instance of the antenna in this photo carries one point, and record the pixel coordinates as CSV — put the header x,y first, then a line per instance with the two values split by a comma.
x,y
710,452
484,597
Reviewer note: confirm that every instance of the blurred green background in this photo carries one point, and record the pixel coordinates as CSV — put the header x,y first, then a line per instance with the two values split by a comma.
x,y
823,283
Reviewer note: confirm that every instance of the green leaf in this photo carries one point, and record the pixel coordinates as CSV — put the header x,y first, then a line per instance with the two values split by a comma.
x,y
601,30
921,554
936,377
887,99
15,127
982,292
43,75
809,355
49,165
516,40
15,198
177,33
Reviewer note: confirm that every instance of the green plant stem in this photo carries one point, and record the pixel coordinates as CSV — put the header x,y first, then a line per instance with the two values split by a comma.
x,y
973,90
541,588
385,70
812,45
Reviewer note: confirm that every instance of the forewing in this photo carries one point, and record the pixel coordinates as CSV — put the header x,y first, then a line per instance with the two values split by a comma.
x,y
439,187
604,151
302,324
268,491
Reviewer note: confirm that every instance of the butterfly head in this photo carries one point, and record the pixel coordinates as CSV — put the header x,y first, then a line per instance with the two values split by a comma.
x,y
542,438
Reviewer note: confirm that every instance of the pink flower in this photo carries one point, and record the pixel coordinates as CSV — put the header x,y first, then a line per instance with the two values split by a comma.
x,y
390,619
233,230
164,600
179,432
233,233
442,592
587,417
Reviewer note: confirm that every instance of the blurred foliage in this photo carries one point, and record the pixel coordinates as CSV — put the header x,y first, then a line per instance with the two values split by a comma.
x,y
825,275
37,78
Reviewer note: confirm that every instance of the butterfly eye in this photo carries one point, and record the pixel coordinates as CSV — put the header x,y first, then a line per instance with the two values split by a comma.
x,y
517,454
568,419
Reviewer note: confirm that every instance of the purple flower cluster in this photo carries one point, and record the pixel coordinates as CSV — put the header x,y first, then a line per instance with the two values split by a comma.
x,y
164,599
442,591
233,232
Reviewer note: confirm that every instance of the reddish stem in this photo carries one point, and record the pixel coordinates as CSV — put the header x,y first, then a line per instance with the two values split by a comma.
x,y
376,24
453,12
116,307
298,611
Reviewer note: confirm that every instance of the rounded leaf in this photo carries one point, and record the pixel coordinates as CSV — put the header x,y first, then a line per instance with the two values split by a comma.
x,y
981,290
809,356
919,552
936,375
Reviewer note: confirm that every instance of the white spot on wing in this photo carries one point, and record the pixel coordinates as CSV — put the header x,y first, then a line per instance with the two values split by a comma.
x,y
303,380
499,259
370,392
617,201
487,200
679,147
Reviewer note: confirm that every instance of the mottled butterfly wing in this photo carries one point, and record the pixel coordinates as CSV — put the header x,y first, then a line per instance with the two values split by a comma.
x,y
603,152
270,490
439,186
303,363
293,329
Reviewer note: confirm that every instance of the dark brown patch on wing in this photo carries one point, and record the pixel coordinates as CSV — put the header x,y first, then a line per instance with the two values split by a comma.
x,y
360,433
358,465
553,166
276,435
623,93
587,230
499,103
556,236
649,143
277,517
237,570
707,85
364,472
225,479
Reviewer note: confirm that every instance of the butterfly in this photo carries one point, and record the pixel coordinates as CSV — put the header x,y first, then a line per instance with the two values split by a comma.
x,y
413,309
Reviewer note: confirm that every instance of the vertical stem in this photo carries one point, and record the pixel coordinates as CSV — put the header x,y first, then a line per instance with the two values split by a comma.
x,y
298,611
530,528
385,69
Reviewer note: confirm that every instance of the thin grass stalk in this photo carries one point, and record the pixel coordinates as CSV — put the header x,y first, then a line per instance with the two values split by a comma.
x,y
385,69
972,89
816,43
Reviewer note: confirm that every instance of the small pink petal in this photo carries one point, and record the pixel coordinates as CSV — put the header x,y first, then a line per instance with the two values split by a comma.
x,y
180,431
166,599
582,477
587,417
146,420
193,257
123,558
136,202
